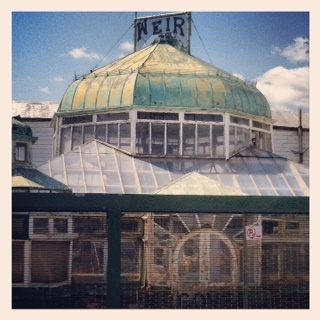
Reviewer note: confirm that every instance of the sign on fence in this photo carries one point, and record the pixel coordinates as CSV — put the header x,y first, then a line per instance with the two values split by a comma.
x,y
254,232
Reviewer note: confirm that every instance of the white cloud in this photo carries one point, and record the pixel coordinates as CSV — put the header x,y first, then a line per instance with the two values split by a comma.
x,y
45,90
296,52
285,88
81,53
127,46
240,76
58,79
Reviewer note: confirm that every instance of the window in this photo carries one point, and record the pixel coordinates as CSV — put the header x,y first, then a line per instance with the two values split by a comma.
x,y
65,143
157,138
76,137
60,225
203,140
20,225
189,139
101,132
125,136
203,117
173,139
142,138
49,261
158,116
261,125
239,120
88,133
78,119
112,116
21,151
40,225
113,134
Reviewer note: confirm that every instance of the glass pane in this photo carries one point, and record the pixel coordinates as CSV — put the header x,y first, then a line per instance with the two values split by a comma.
x,y
114,189
278,181
108,162
101,132
142,165
40,225
72,160
189,261
261,181
204,140
245,181
227,179
253,166
88,257
217,140
146,179
269,166
60,225
189,139
128,178
76,137
232,131
293,182
93,179
125,136
173,139
131,190
112,137
125,163
157,139
130,257
88,133
142,138
49,261
113,116
237,166
112,179
162,179
65,143
21,151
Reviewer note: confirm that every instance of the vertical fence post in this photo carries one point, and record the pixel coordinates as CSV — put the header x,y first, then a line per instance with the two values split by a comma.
x,y
114,259
245,266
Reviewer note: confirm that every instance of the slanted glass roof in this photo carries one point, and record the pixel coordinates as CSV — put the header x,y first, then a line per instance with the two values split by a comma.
x,y
97,167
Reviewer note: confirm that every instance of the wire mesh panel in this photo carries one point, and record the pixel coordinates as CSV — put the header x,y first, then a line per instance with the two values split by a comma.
x,y
164,260
215,261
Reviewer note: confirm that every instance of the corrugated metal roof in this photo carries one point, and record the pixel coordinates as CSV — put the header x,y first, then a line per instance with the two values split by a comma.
x,y
290,119
21,177
163,77
34,110
22,182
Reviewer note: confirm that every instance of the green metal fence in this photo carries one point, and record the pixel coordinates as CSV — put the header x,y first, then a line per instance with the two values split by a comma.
x,y
117,206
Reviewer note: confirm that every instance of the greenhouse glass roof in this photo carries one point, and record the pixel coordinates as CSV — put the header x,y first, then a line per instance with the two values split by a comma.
x,y
97,167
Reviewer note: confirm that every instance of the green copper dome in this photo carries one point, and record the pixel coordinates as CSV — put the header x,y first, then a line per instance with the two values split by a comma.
x,y
21,131
164,78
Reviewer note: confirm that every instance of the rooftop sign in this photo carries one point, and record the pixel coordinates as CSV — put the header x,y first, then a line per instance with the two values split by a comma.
x,y
176,25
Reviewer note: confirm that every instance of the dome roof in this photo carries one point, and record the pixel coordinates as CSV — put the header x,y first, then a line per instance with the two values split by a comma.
x,y
164,78
22,131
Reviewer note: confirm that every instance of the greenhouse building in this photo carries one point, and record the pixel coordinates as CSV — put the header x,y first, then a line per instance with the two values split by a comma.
x,y
209,216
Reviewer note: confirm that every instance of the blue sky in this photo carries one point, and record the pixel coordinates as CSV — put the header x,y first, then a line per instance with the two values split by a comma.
x,y
271,48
